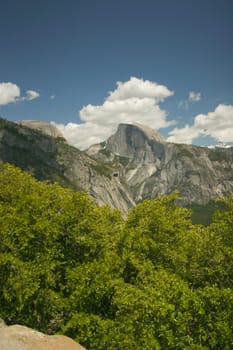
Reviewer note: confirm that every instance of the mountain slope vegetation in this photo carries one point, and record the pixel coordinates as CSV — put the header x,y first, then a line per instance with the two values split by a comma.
x,y
152,281
51,158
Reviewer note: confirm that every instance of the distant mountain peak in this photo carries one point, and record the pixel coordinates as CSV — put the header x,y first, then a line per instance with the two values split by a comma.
x,y
131,139
44,127
148,132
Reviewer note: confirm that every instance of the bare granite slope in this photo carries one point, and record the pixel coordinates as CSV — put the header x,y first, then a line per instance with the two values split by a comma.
x,y
150,166
18,337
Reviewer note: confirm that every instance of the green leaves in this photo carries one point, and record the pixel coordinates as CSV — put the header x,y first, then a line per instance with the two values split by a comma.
x,y
153,281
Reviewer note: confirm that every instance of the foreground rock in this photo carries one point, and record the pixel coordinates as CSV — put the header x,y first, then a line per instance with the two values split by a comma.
x,y
23,338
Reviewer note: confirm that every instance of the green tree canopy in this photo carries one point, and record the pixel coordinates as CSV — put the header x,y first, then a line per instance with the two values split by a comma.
x,y
152,281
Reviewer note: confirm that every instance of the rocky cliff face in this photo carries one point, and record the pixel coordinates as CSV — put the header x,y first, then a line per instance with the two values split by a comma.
x,y
134,164
150,166
50,158
18,337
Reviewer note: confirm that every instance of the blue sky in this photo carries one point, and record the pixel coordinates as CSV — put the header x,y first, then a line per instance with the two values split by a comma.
x,y
59,59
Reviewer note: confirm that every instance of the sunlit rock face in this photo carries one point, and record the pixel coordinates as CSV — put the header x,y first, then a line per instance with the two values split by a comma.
x,y
18,337
150,166
44,127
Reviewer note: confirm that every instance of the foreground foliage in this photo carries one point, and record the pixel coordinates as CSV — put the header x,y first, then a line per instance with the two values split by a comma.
x,y
154,281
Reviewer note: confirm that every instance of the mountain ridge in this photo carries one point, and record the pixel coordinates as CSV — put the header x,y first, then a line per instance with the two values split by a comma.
x,y
153,167
134,164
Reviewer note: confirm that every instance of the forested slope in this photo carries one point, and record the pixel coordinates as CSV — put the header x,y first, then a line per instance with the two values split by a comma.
x,y
153,281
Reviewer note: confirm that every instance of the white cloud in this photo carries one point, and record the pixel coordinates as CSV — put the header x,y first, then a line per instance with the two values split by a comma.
x,y
84,135
217,124
9,93
194,96
31,95
139,88
133,101
52,97
183,135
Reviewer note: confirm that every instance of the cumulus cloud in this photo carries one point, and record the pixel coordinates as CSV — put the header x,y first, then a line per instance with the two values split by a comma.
x,y
139,88
183,135
136,100
84,135
9,93
217,124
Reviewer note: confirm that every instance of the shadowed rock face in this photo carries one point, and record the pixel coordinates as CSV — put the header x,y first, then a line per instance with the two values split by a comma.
x,y
22,338
131,139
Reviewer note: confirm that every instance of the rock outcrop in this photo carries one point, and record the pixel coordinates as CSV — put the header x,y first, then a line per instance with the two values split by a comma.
x,y
46,128
18,337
